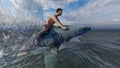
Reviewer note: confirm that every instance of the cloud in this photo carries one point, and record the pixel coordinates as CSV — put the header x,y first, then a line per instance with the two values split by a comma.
x,y
102,11
47,4
96,7
116,20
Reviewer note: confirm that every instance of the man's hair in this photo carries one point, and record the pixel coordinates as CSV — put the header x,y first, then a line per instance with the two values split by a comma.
x,y
58,9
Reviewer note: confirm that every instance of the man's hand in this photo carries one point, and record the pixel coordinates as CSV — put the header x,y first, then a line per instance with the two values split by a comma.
x,y
64,28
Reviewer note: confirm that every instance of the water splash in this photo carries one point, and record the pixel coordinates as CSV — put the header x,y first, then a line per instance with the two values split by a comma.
x,y
1,53
20,14
17,19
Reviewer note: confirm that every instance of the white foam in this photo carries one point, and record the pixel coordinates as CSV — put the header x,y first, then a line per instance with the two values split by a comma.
x,y
75,39
1,53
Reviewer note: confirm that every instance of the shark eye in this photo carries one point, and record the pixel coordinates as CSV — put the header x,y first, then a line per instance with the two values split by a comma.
x,y
82,30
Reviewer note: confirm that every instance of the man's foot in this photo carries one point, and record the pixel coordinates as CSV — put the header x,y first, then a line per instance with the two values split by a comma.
x,y
36,42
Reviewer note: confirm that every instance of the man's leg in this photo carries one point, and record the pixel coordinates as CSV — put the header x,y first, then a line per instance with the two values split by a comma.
x,y
43,31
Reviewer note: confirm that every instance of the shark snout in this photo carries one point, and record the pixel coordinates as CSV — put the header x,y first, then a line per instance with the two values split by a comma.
x,y
82,30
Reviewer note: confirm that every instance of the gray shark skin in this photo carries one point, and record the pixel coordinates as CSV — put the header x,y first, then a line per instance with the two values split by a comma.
x,y
55,36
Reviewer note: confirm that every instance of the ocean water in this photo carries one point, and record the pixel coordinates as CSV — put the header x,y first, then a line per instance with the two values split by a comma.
x,y
95,49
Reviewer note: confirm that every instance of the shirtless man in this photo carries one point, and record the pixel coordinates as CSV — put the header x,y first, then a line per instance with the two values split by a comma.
x,y
52,20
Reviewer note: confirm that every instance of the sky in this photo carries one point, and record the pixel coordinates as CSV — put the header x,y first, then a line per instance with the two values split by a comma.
x,y
97,13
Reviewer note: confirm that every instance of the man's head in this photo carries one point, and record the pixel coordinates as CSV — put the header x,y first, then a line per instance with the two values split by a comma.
x,y
59,11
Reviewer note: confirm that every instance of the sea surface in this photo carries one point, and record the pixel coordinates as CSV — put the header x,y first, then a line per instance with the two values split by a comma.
x,y
95,49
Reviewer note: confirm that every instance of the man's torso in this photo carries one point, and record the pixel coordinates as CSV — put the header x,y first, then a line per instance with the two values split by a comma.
x,y
50,22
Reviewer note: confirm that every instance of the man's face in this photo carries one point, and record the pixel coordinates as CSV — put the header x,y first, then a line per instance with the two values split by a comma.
x,y
60,12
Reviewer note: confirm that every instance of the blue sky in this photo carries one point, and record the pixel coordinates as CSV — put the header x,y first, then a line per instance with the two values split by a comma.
x,y
99,13
76,5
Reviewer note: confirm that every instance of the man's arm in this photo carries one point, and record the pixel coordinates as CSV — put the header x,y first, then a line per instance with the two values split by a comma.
x,y
58,22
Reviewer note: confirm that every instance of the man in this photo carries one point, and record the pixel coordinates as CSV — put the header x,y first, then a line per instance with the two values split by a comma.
x,y
52,20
